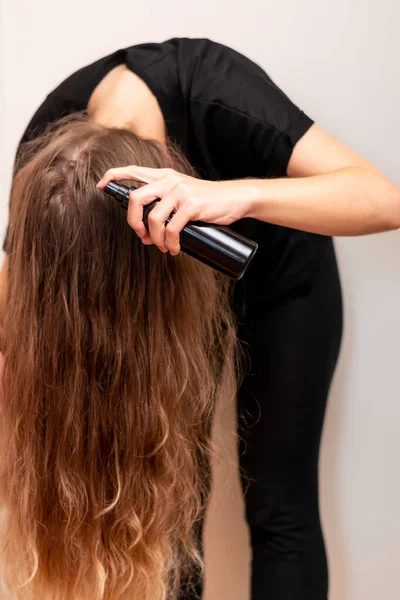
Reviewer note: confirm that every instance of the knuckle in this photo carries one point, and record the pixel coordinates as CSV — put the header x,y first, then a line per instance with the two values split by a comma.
x,y
152,218
171,229
172,181
135,194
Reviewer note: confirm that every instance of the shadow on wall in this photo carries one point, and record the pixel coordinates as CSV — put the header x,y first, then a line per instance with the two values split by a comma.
x,y
332,521
226,534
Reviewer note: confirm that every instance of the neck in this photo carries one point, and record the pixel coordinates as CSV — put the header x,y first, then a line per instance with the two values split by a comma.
x,y
124,100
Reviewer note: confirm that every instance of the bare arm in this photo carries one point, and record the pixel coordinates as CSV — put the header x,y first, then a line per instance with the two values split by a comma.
x,y
331,190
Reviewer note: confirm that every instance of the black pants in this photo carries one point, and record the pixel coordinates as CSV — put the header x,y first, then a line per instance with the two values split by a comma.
x,y
281,405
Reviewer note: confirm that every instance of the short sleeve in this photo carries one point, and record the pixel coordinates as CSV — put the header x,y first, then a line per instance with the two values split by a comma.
x,y
248,126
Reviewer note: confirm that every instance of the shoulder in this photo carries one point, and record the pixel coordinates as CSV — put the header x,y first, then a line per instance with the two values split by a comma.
x,y
214,73
206,49
247,122
207,61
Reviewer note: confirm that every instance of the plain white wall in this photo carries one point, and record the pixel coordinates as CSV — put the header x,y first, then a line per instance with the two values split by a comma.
x,y
339,61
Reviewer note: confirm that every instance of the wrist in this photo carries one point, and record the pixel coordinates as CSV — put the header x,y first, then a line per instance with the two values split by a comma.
x,y
254,195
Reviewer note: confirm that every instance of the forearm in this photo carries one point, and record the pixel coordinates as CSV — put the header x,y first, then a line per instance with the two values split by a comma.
x,y
349,201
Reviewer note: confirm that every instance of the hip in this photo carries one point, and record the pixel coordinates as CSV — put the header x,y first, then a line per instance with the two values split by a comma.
x,y
287,269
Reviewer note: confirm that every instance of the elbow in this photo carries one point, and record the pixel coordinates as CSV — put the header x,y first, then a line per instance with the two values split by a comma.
x,y
387,206
397,216
386,219
394,215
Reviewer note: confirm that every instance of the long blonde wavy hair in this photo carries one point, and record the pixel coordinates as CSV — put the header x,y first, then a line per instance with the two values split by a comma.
x,y
115,357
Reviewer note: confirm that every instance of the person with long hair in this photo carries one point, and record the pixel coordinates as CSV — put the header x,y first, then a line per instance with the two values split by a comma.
x,y
114,357
269,172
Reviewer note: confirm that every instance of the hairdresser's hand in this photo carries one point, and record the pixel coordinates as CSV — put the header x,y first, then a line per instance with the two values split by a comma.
x,y
220,202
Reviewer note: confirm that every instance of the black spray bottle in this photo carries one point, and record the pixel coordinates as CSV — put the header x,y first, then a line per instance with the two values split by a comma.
x,y
215,245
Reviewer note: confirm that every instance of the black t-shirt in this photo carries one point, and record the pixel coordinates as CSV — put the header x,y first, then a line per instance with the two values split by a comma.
x,y
231,121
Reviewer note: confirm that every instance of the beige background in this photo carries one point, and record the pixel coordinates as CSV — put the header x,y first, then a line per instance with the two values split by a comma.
x,y
339,61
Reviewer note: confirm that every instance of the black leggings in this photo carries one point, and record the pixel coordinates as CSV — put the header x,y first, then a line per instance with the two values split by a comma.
x,y
293,351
